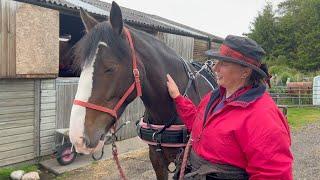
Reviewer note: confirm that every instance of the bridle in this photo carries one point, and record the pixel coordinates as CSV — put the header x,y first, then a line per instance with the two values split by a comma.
x,y
135,85
113,112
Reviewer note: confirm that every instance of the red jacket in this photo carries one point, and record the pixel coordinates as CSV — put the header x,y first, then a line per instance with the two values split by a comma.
x,y
248,132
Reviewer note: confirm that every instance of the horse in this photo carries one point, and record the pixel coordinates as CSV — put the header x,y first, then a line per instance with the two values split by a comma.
x,y
66,57
118,64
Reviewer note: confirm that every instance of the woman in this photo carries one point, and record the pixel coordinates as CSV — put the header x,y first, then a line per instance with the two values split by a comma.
x,y
238,124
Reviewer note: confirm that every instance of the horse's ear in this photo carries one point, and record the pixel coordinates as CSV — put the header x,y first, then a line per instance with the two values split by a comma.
x,y
116,18
88,21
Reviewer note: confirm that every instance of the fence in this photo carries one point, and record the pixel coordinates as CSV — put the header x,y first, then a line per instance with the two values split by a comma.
x,y
298,97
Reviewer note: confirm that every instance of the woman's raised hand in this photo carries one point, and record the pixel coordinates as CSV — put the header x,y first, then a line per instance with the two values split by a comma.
x,y
172,87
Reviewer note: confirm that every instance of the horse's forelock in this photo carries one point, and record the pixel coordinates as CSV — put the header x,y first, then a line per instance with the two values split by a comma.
x,y
85,49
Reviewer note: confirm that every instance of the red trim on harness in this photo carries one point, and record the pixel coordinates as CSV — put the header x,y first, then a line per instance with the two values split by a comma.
x,y
95,107
227,51
124,97
134,63
157,127
136,84
164,144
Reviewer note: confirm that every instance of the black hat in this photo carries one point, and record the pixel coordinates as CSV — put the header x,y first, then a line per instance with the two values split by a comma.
x,y
240,50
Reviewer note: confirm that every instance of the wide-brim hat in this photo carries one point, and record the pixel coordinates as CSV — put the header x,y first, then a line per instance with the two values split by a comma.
x,y
240,50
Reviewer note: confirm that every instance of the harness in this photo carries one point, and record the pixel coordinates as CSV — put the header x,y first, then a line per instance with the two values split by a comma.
x,y
170,135
160,135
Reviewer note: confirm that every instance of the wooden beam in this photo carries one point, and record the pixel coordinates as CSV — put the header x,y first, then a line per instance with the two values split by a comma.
x,y
37,103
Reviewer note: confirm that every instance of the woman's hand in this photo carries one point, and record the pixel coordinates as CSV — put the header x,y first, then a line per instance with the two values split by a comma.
x,y
172,87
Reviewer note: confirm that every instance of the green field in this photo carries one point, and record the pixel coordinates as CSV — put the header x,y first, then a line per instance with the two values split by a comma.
x,y
299,117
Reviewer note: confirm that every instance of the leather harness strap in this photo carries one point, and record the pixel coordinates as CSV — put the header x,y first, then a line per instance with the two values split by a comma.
x,y
173,136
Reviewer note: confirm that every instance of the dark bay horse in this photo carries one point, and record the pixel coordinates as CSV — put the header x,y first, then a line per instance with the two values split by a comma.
x,y
105,56
66,57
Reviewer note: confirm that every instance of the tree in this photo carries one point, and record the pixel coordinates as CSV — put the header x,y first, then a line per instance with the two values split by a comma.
x,y
264,29
294,33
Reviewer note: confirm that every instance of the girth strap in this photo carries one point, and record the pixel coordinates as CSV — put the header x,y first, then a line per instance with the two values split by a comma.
x,y
172,136
178,137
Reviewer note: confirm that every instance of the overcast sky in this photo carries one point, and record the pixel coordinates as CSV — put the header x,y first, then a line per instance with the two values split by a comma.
x,y
218,17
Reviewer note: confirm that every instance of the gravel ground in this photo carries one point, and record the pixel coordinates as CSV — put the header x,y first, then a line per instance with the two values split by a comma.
x,y
137,166
306,149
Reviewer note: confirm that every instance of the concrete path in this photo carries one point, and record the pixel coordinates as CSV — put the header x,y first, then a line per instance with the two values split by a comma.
x,y
81,161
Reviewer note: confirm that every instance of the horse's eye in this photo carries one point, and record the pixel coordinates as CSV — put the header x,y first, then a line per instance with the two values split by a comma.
x,y
109,70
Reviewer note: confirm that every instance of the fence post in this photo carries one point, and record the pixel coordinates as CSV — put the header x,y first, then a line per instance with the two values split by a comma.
x,y
299,97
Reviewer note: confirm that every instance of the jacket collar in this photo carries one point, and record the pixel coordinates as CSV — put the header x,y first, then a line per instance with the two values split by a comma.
x,y
242,97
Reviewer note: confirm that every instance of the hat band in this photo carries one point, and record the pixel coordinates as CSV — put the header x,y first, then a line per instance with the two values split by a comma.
x,y
227,51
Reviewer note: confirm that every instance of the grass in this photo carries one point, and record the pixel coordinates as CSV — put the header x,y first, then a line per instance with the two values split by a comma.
x,y
5,172
299,117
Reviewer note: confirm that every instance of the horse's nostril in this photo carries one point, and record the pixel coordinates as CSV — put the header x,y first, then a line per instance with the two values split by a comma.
x,y
102,137
86,141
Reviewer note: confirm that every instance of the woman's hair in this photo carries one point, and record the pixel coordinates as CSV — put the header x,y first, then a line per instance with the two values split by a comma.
x,y
256,78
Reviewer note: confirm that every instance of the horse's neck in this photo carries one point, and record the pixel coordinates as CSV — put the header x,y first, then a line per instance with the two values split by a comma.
x,y
157,61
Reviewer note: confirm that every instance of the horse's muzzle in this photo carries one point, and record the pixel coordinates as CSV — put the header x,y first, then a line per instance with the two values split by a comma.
x,y
85,150
82,145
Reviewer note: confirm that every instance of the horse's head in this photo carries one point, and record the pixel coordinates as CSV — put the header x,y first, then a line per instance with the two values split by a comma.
x,y
104,56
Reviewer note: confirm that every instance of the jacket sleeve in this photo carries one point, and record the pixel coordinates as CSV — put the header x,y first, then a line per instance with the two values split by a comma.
x,y
188,111
267,148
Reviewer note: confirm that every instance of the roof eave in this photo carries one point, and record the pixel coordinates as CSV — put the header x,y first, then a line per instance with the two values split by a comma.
x,y
75,12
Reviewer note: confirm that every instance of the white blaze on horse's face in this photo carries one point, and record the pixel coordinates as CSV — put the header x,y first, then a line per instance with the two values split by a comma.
x,y
78,113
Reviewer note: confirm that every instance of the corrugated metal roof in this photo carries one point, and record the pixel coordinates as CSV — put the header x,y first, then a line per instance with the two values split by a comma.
x,y
89,7
130,16
187,28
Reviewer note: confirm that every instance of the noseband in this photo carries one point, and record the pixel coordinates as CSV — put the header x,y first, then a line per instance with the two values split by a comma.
x,y
136,84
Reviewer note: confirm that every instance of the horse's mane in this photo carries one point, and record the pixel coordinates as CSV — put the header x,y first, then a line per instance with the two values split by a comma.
x,y
85,48
156,44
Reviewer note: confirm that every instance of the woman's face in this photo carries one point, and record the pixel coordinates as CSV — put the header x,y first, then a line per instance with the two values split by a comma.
x,y
230,75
